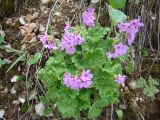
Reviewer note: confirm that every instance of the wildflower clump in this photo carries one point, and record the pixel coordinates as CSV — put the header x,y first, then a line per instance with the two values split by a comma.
x,y
79,77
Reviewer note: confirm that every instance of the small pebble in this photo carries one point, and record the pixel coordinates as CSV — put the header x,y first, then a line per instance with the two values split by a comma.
x,y
39,108
14,79
13,91
21,99
2,113
21,20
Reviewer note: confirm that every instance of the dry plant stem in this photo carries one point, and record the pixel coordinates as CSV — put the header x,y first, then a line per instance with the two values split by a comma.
x,y
27,72
99,10
111,111
22,118
49,18
151,45
159,31
151,67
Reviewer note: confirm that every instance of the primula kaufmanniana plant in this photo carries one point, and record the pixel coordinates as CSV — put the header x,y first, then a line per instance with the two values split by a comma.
x,y
85,73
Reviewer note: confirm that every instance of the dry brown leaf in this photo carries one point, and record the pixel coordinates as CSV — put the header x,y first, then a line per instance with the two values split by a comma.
x,y
33,40
35,15
45,1
28,28
9,21
29,17
41,28
28,37
23,32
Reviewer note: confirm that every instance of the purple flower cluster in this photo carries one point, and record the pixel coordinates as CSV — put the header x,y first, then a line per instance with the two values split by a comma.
x,y
80,81
89,17
119,50
131,28
47,43
120,79
69,41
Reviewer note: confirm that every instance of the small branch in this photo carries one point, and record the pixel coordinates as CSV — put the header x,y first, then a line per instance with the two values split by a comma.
x,y
49,18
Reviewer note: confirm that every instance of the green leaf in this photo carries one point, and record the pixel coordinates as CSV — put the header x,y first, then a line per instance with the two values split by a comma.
x,y
116,15
11,50
43,99
48,111
1,38
94,112
94,59
2,62
95,1
101,102
35,58
117,3
119,114
20,58
68,107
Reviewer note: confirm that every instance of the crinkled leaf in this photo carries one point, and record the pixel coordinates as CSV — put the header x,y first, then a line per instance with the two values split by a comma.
x,y
94,112
93,59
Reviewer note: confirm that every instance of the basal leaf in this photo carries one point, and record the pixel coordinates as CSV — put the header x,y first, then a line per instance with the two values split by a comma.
x,y
117,3
1,38
119,114
116,15
2,62
95,1
35,58
20,58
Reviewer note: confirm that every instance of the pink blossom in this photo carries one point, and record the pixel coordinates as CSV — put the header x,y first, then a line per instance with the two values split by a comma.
x,y
89,17
69,41
120,79
47,43
67,26
119,50
82,80
131,28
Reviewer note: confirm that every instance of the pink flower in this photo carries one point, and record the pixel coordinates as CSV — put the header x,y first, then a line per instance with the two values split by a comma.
x,y
111,55
67,26
119,50
69,41
83,80
120,79
86,75
131,28
88,17
47,43
44,38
